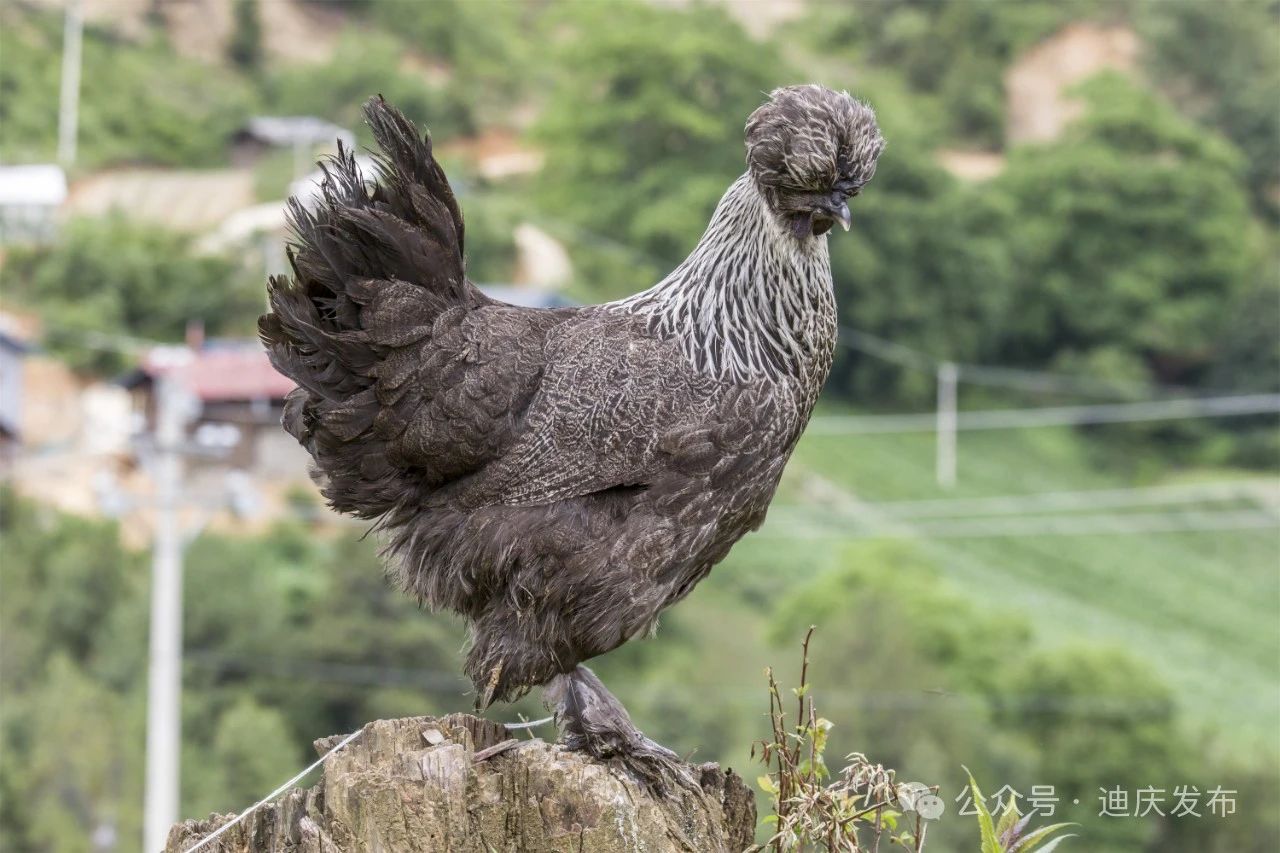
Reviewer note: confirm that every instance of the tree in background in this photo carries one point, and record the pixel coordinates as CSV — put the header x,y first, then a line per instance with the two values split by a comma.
x,y
643,128
139,101
489,50
906,665
925,264
70,740
116,277
981,38
252,749
296,636
245,47
1096,717
1220,65
1130,236
365,65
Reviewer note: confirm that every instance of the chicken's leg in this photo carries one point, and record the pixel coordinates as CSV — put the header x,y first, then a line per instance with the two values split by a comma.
x,y
593,721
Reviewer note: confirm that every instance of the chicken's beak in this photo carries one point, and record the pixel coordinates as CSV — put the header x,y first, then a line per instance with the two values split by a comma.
x,y
842,215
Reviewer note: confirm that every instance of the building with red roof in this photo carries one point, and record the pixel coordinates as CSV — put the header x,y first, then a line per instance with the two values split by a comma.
x,y
240,396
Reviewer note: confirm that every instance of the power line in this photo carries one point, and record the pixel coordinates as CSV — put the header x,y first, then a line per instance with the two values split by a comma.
x,y
914,359
1040,381
1071,525
90,339
1040,502
1152,410
1055,383
885,350
342,673
365,675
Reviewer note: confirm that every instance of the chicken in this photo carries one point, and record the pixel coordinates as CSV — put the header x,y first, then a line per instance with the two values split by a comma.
x,y
561,476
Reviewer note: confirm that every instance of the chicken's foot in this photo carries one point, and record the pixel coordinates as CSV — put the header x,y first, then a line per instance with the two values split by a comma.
x,y
592,720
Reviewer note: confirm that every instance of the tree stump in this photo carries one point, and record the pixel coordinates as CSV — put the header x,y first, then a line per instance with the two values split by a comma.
x,y
460,784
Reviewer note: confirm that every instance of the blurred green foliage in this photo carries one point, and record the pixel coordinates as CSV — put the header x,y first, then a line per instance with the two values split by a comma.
x,y
364,65
245,47
1141,245
643,125
1081,257
297,635
981,36
490,50
70,726
1129,235
139,101
294,635
1220,65
115,277
915,671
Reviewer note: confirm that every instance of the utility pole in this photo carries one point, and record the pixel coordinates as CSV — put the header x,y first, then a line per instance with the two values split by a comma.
x,y
945,463
69,97
164,673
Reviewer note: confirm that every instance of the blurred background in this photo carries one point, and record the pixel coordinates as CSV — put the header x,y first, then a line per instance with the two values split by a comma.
x,y
1035,519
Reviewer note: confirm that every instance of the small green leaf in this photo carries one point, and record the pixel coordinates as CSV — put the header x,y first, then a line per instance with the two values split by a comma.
x,y
766,785
990,843
1029,842
1007,820
1048,848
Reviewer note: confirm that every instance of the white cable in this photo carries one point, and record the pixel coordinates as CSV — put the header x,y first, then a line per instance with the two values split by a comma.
x,y
528,724
1055,383
885,350
277,792
1039,502
1077,525
1155,410
1005,377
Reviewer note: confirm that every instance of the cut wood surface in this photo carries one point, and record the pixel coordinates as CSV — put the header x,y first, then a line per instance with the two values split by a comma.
x,y
460,784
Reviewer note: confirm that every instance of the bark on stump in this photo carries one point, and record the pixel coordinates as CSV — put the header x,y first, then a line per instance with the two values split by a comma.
x,y
458,784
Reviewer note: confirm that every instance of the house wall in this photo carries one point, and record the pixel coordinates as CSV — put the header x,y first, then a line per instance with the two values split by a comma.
x,y
10,389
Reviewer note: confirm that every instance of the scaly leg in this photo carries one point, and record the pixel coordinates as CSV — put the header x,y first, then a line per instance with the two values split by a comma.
x,y
593,721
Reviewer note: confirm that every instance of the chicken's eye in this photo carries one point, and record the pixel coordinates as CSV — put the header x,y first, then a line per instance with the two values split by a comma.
x,y
846,188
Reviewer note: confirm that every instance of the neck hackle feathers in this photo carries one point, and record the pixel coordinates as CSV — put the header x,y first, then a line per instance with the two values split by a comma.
x,y
749,301
754,298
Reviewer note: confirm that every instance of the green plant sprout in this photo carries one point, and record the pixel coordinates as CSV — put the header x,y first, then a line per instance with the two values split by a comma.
x,y
1009,834
865,805
853,813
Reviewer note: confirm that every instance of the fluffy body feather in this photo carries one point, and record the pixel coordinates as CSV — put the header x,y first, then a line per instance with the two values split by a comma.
x,y
559,477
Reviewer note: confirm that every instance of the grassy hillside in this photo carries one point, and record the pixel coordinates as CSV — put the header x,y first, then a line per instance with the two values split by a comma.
x,y
1200,606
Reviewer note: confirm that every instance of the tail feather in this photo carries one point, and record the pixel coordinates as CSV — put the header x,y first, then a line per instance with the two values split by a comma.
x,y
373,269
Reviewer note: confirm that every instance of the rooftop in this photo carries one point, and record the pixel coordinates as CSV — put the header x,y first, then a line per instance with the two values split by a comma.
x,y
295,130
32,185
220,372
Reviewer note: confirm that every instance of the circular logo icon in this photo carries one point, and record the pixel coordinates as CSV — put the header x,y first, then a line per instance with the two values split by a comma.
x,y
910,792
930,806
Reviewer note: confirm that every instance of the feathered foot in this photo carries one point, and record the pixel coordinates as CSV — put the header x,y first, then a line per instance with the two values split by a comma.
x,y
592,720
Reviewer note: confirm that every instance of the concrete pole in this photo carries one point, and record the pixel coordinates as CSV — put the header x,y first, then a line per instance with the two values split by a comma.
x,y
945,464
69,97
164,674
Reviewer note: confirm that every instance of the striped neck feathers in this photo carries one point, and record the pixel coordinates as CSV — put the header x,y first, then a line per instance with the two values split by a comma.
x,y
751,299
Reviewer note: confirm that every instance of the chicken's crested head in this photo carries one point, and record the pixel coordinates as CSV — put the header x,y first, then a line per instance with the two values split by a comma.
x,y
810,149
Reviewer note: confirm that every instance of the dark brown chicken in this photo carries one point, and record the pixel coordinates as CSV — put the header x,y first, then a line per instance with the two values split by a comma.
x,y
560,476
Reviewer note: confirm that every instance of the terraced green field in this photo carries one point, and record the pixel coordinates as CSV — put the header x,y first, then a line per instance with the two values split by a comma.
x,y
1200,604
